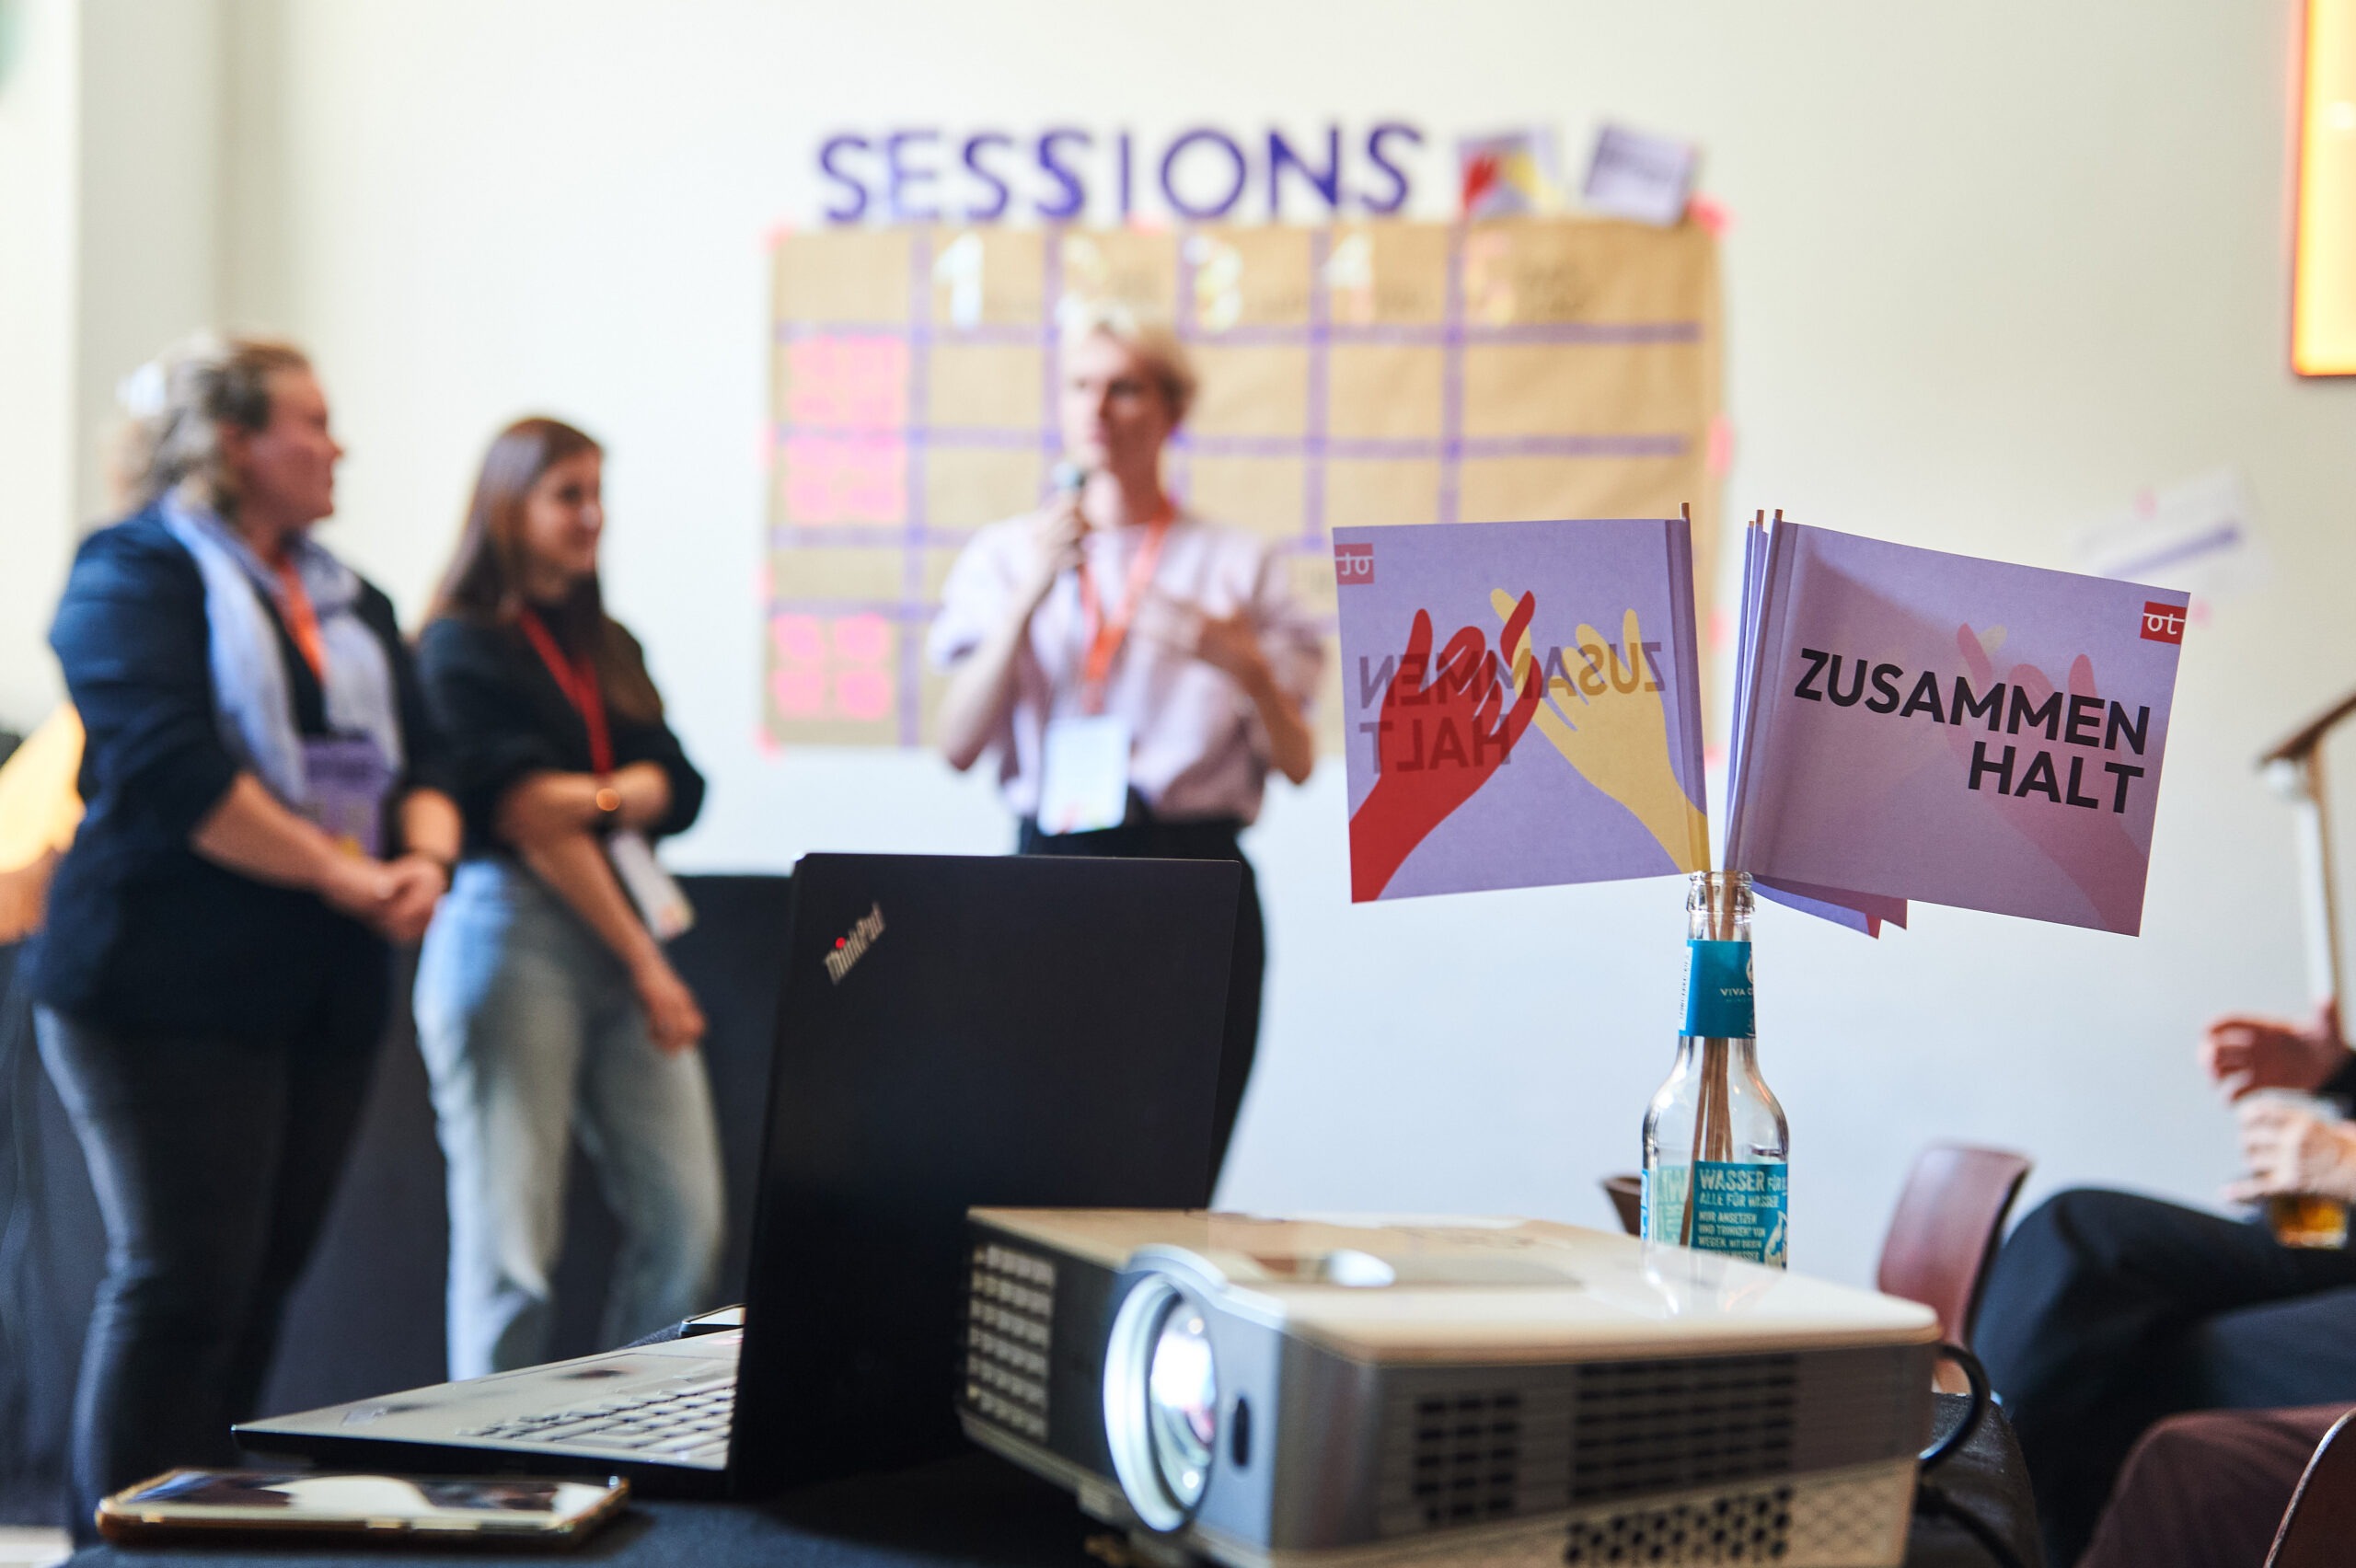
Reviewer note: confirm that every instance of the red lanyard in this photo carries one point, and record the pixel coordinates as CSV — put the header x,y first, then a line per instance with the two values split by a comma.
x,y
1106,636
302,621
577,678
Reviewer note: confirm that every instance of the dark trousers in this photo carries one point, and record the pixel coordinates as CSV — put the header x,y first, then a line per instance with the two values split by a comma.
x,y
213,1161
1143,838
2105,1312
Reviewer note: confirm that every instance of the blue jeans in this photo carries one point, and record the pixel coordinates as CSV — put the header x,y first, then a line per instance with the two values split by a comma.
x,y
532,1033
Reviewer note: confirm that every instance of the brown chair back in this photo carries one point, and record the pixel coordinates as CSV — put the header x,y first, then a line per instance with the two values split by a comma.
x,y
2321,1521
1627,1195
1948,1221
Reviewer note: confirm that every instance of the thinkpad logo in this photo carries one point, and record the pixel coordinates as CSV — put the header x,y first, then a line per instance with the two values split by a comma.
x,y
852,946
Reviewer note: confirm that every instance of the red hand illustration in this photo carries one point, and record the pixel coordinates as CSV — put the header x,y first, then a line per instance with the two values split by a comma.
x,y
1437,743
2091,847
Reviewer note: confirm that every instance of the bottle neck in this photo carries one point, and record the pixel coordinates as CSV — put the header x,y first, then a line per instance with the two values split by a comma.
x,y
1717,906
1742,1053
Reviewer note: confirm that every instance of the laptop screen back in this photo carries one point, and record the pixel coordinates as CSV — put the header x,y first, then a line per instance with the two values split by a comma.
x,y
951,1033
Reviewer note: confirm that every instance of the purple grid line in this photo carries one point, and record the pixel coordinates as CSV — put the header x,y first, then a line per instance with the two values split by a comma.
x,y
913,528
897,610
920,614
1311,446
1049,338
981,333
1451,379
1181,322
857,536
1312,479
1428,335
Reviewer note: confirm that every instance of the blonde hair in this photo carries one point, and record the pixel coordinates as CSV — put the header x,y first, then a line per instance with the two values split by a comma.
x,y
176,405
1166,359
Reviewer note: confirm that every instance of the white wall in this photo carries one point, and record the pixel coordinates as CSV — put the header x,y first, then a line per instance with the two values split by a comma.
x,y
1990,270
110,244
150,259
38,91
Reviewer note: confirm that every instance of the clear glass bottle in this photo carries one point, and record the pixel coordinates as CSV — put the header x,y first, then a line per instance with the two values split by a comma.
x,y
1715,1142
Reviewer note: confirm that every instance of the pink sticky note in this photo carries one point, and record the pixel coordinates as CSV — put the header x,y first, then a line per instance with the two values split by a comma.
x,y
862,694
847,382
1718,454
861,639
1710,216
797,639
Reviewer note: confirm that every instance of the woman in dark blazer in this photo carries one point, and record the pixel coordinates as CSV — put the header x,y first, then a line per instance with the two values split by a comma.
x,y
263,821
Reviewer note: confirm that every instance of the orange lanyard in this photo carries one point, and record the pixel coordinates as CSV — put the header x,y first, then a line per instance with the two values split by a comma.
x,y
577,678
302,621
1105,635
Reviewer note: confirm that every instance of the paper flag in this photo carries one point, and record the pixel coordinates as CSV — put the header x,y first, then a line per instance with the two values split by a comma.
x,y
2200,536
1632,175
1507,174
1521,704
1910,724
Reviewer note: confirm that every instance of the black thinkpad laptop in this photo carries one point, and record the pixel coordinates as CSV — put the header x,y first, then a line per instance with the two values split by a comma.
x,y
951,1033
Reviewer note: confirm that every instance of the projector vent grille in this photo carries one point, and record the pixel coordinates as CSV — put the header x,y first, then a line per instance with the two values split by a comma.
x,y
1467,1456
1010,1323
1641,1426
1736,1526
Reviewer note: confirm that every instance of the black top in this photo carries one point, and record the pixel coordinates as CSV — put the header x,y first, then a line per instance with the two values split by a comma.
x,y
143,933
503,716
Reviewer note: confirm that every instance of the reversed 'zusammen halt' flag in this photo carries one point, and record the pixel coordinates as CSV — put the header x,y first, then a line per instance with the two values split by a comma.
x,y
1521,704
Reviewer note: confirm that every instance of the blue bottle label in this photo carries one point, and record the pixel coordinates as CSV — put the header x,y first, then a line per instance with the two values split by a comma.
x,y
1739,1209
1717,991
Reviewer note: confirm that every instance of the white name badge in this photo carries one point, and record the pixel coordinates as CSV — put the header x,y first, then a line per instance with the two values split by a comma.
x,y
660,902
1084,778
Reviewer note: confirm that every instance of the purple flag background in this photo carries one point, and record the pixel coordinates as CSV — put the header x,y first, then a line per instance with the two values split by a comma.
x,y
1859,775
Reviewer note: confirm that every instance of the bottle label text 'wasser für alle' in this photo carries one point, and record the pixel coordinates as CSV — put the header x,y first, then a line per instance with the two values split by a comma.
x,y
1739,1209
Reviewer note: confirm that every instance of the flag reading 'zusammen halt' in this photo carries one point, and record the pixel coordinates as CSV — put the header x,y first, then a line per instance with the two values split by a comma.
x,y
1910,724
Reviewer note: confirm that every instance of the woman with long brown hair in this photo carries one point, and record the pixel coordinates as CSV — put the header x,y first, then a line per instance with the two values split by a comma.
x,y
545,1005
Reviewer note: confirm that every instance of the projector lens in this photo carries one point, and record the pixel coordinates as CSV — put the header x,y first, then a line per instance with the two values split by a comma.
x,y
1161,1400
1182,1392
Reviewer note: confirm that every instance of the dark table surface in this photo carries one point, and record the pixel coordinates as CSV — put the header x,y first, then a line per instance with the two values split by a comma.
x,y
979,1510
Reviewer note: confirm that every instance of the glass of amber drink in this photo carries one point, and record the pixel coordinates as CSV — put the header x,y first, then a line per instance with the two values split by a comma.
x,y
2307,1219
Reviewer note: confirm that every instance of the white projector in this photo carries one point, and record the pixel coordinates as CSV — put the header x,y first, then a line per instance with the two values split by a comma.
x,y
1336,1392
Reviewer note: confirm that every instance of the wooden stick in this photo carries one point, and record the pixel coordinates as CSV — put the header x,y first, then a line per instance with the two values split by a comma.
x,y
1693,1160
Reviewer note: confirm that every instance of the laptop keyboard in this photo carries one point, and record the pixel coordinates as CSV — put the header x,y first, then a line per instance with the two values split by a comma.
x,y
683,1422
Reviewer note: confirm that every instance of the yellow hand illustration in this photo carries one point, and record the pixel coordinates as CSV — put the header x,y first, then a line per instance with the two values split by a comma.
x,y
1603,711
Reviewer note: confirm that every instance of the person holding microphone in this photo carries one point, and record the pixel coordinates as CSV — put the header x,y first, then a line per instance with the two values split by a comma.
x,y
545,1004
265,817
1137,669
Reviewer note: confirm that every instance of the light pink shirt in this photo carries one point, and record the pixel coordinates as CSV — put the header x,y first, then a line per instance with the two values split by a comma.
x,y
1196,746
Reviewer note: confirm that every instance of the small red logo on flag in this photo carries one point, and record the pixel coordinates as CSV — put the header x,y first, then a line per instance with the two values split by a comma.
x,y
1354,563
2162,622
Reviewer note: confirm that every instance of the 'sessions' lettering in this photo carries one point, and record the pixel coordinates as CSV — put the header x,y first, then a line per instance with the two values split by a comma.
x,y
2077,721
